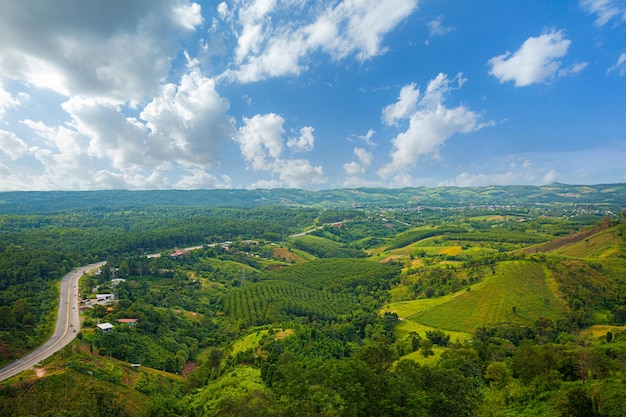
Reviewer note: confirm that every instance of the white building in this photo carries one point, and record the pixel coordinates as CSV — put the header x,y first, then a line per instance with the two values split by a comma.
x,y
105,327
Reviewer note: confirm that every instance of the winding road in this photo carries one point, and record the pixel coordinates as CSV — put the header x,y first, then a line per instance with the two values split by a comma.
x,y
67,325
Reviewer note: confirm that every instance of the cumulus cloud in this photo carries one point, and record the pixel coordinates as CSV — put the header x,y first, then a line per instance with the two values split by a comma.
x,y
179,132
200,179
261,144
270,46
120,50
8,100
605,10
404,107
536,61
517,174
186,123
431,123
304,142
12,145
358,167
620,65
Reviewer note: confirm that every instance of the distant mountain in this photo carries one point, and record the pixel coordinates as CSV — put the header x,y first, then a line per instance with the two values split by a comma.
x,y
606,196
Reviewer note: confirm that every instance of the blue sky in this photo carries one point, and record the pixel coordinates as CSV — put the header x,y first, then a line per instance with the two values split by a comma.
x,y
159,94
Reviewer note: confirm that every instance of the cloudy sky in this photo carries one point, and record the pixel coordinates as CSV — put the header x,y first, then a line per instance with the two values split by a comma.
x,y
319,94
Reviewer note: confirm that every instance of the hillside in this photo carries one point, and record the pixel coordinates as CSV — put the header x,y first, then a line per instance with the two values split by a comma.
x,y
519,292
607,196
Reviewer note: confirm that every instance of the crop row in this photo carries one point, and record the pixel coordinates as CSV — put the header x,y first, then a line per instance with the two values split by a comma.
x,y
271,300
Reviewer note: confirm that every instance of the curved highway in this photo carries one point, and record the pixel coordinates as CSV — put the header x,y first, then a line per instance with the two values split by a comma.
x,y
67,325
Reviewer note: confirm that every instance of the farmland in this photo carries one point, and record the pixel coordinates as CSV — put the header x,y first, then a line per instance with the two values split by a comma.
x,y
513,307
516,293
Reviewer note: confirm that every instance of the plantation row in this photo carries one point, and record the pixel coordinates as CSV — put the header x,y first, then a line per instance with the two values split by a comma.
x,y
338,275
269,301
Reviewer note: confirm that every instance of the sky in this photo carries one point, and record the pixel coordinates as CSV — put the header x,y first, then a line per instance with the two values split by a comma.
x,y
323,94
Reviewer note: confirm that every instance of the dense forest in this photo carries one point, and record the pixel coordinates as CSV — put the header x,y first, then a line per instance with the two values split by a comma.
x,y
444,303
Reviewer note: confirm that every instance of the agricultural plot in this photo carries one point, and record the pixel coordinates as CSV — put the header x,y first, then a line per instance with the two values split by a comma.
x,y
337,275
595,246
325,248
269,301
407,309
516,293
288,256
405,327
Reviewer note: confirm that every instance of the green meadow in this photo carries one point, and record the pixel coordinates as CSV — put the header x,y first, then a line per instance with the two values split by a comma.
x,y
517,292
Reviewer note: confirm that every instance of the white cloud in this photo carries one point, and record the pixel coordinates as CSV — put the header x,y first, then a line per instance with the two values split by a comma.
x,y
200,179
260,140
265,184
573,69
188,15
304,142
367,138
270,46
299,173
431,123
356,168
363,156
188,122
12,145
261,144
536,61
620,65
404,107
8,100
185,124
436,28
63,158
525,173
118,50
606,10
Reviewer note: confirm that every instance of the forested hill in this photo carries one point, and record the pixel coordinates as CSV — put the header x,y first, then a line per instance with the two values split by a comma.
x,y
607,196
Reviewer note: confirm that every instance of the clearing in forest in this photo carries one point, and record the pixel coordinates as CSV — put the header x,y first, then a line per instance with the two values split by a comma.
x,y
516,293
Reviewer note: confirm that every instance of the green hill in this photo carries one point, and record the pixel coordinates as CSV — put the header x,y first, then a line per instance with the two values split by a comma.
x,y
518,292
80,384
598,245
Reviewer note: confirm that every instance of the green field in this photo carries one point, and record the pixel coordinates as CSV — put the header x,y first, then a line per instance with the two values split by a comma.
x,y
519,284
595,246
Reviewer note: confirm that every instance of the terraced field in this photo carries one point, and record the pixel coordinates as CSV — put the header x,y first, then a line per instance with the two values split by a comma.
x,y
518,293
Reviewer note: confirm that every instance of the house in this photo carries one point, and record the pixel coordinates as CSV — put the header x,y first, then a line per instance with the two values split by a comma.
x,y
105,328
105,297
130,322
110,310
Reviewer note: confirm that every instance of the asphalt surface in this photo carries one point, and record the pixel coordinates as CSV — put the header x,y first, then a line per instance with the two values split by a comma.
x,y
67,325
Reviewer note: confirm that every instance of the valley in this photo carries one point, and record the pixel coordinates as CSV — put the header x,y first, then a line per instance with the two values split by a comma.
x,y
492,301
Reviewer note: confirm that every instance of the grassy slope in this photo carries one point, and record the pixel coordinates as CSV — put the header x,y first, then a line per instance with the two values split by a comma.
x,y
76,383
522,284
598,245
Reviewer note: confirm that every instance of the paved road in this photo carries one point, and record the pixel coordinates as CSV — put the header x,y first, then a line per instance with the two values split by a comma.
x,y
68,320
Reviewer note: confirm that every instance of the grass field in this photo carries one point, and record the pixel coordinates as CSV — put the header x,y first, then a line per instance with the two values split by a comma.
x,y
519,284
594,246
251,341
406,309
600,330
288,255
407,326
450,250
